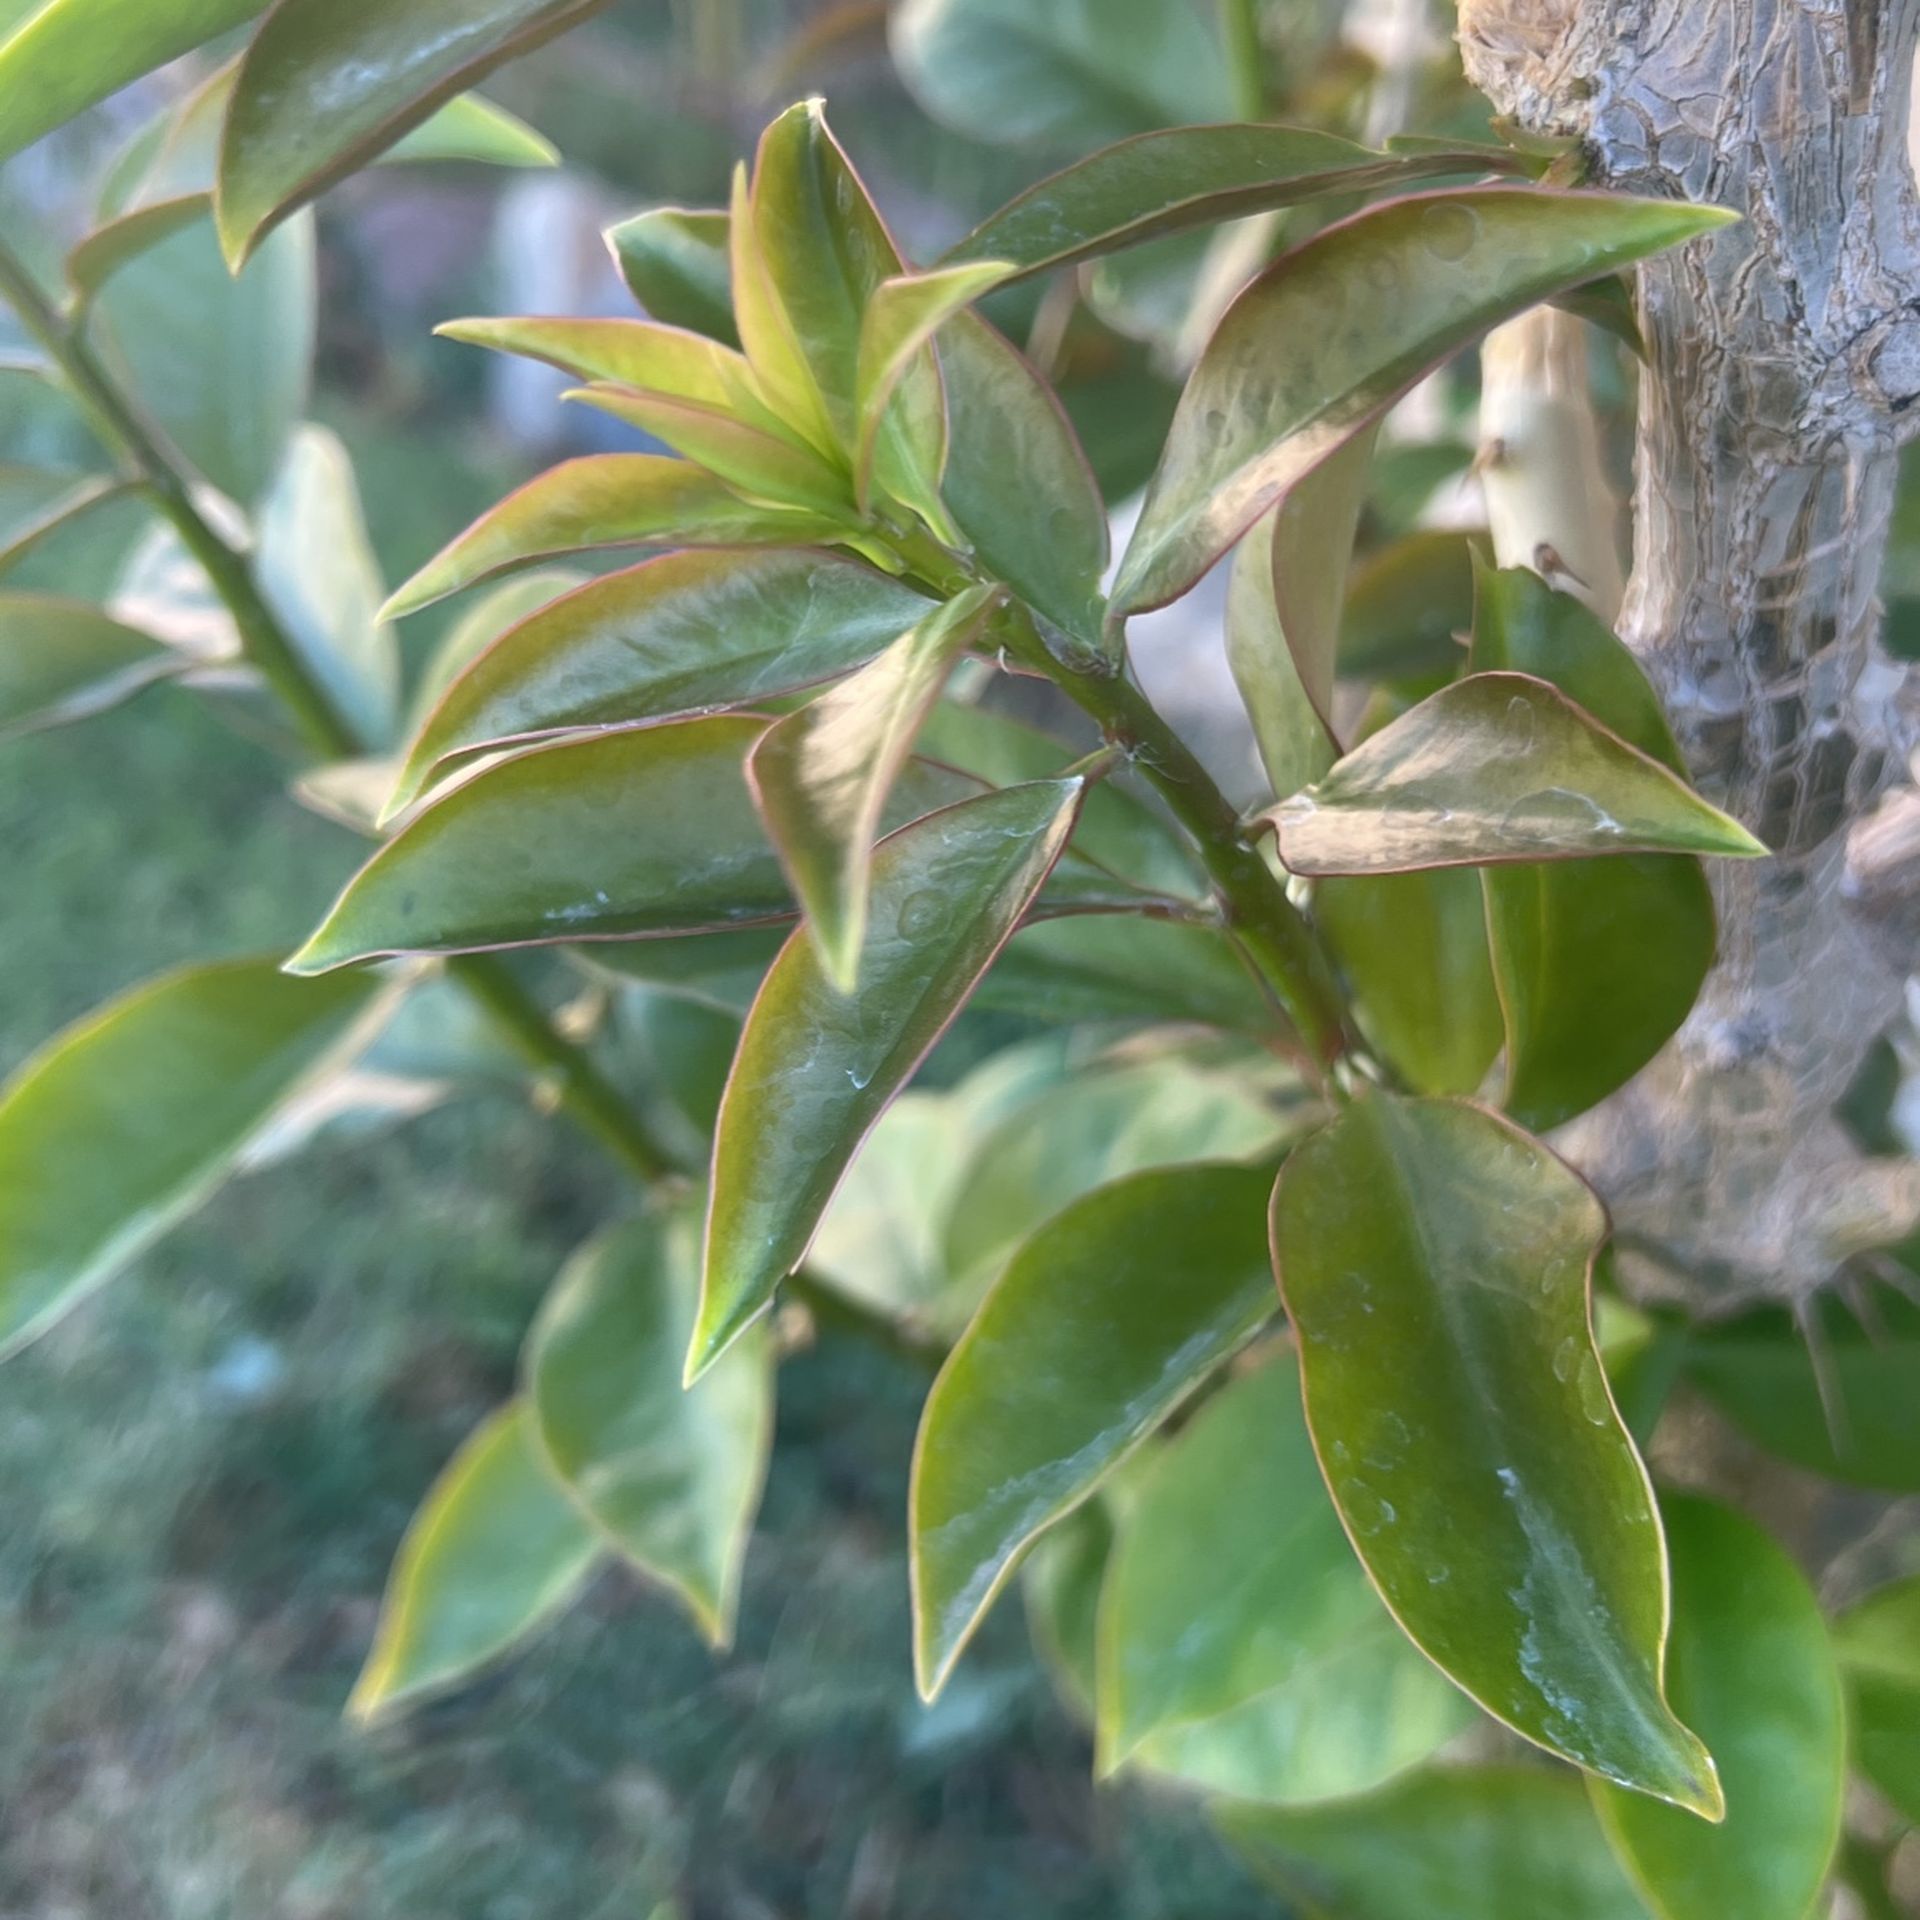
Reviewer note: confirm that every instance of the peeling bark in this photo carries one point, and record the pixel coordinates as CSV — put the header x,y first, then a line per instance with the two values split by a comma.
x,y
1784,359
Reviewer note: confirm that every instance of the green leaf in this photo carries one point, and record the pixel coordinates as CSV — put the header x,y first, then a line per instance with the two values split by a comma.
x,y
495,1551
1105,1121
500,609
317,570
62,660
1073,72
326,85
1124,968
821,776
1878,1640
1282,1655
717,970
1414,948
1104,1322
671,1476
128,1120
1284,598
1463,1421
1181,177
901,318
603,500
1408,608
685,633
1060,1580
1751,1666
816,1070
1003,419
1758,1370
676,262
1117,828
471,129
58,57
1598,961
1497,767
617,836
1365,310
665,361
36,505
762,464
1457,1843
223,364
108,248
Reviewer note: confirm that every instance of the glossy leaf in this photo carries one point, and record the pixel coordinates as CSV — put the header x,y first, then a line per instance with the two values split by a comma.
x,y
1322,1692
1124,968
1003,419
815,1070
1598,961
675,261
618,836
128,1120
603,500
1366,308
58,57
821,775
667,361
1853,1417
1752,1667
1414,948
485,618
326,85
1101,1123
1181,177
763,464
495,1551
1497,767
686,633
317,570
1465,1428
1455,1843
1074,71
224,364
1104,1322
901,318
1878,1640
61,660
670,1476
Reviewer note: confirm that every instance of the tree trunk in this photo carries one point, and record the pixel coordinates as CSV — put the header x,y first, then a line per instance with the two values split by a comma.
x,y
1783,355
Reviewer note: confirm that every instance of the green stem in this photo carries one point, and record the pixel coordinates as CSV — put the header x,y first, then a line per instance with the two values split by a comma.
x,y
592,1100
1246,58
121,426
1274,932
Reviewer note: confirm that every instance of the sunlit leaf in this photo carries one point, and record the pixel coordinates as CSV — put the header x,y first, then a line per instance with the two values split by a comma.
x,y
1104,1322
63,659
815,1069
1847,1413
58,57
475,130
1180,177
1466,1843
1598,961
1752,1667
686,633
1414,948
671,1476
821,776
668,361
1878,1640
1364,310
1497,767
1071,72
326,85
129,1119
317,569
675,260
1278,1675
1463,1422
603,500
1047,538
495,1551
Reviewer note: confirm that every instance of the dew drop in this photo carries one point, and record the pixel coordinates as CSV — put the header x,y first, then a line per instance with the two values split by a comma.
x,y
1566,1358
921,913
1518,738
1448,231
1593,1393
1216,423
1367,1511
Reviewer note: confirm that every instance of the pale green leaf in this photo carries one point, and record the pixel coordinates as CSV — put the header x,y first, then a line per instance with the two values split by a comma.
x,y
62,660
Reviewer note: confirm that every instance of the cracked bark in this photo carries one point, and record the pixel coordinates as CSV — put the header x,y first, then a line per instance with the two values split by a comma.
x,y
1784,356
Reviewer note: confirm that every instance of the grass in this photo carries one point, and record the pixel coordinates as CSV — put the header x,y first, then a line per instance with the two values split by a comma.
x,y
209,1466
